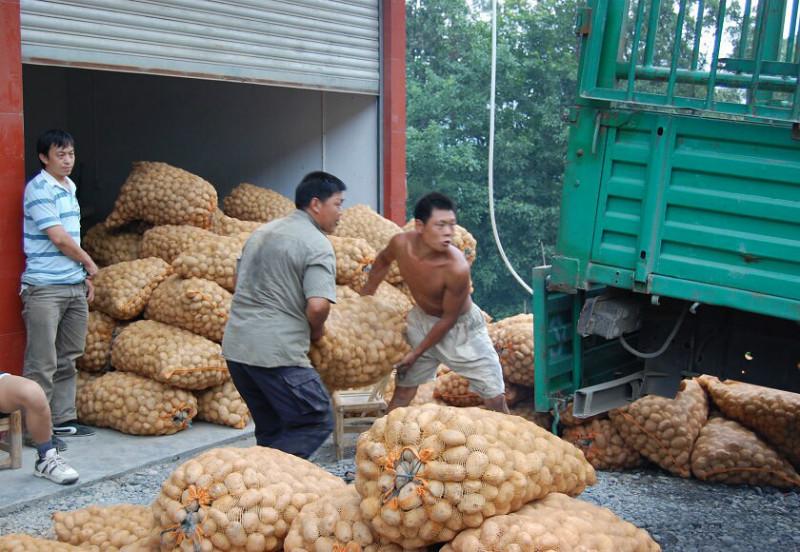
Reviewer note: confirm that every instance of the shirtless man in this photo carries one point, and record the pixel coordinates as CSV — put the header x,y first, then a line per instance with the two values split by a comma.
x,y
445,326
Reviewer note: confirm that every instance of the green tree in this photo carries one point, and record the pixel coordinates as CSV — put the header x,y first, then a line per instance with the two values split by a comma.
x,y
448,61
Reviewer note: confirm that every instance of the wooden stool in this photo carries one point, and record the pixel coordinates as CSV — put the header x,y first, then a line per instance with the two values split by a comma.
x,y
369,405
11,425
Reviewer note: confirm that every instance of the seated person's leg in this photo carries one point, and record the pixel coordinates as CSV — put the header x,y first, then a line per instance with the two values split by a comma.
x,y
17,393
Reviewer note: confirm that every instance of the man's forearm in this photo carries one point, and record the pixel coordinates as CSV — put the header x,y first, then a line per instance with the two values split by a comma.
x,y
377,274
72,250
316,321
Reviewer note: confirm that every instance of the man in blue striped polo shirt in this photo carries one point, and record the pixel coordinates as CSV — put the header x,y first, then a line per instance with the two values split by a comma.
x,y
56,283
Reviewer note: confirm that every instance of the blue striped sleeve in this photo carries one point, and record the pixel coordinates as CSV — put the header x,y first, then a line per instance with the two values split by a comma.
x,y
41,208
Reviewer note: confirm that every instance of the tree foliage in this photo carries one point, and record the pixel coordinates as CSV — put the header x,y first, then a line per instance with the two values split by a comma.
x,y
448,77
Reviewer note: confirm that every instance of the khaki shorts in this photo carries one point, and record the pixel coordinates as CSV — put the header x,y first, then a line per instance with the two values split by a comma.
x,y
466,349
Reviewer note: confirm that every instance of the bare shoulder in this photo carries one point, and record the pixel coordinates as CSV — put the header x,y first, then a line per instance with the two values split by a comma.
x,y
458,269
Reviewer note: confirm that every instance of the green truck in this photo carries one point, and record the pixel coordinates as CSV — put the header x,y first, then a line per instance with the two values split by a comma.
x,y
679,243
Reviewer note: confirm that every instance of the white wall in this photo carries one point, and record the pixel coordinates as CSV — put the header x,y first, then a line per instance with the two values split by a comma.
x,y
225,132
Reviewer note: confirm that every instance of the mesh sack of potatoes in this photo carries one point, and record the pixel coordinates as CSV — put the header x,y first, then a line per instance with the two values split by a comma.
x,y
728,452
360,221
238,499
212,259
389,294
664,430
567,418
253,203
108,527
345,292
97,349
514,344
134,404
159,193
354,258
403,287
453,389
224,225
556,523
169,355
772,413
17,542
222,405
527,410
495,329
197,305
106,247
335,523
122,290
364,338
169,241
427,472
462,240
603,446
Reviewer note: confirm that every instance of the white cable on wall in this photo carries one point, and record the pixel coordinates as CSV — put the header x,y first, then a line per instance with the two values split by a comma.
x,y
499,245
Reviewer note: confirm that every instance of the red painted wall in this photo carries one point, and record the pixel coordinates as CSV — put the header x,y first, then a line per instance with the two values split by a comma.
x,y
12,184
394,110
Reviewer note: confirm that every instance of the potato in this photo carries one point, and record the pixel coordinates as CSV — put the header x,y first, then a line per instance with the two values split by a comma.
x,y
476,463
222,405
603,446
97,350
364,338
212,259
107,247
772,413
168,241
354,258
567,419
335,522
453,389
161,194
513,340
462,239
16,542
134,404
199,306
360,221
109,527
728,452
664,430
224,225
237,496
122,290
253,203
169,355
555,523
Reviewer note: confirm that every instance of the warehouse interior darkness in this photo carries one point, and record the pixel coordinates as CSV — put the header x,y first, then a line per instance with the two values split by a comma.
x,y
225,132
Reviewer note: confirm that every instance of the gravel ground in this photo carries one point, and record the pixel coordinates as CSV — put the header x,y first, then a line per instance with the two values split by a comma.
x,y
682,515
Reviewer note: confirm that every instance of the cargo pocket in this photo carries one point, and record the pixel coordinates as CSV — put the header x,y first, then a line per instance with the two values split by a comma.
x,y
308,393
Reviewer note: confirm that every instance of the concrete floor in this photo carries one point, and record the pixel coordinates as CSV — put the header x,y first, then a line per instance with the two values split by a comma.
x,y
108,454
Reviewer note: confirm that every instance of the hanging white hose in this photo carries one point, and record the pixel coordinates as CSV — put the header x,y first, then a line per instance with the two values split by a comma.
x,y
499,245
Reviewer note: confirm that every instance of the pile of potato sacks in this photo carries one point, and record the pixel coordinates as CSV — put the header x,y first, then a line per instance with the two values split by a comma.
x,y
425,475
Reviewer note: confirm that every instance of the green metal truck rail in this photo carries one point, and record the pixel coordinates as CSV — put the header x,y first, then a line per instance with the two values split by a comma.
x,y
683,173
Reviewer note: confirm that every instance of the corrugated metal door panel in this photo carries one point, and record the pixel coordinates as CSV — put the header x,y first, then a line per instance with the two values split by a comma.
x,y
321,44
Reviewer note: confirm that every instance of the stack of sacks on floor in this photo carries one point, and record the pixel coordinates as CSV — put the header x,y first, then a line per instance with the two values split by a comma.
x,y
724,432
171,361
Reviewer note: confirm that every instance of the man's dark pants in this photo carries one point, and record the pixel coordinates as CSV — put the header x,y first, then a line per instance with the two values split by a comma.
x,y
290,406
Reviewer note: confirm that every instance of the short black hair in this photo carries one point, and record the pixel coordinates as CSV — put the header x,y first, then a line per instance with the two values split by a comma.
x,y
317,184
53,137
434,200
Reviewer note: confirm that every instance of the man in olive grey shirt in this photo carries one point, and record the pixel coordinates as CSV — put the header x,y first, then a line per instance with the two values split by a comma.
x,y
286,282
